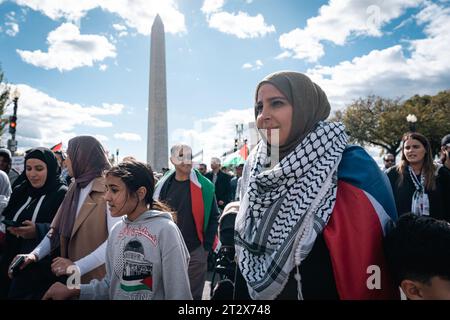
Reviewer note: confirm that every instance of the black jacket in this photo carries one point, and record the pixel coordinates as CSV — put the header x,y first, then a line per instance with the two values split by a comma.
x,y
443,181
223,187
403,194
318,281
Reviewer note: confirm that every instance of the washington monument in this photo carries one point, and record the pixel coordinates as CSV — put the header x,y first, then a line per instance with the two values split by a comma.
x,y
157,145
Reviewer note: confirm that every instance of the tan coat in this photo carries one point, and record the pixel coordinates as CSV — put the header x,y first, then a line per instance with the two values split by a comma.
x,y
90,230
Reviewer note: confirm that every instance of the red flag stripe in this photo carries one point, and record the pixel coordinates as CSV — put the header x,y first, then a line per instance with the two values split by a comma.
x,y
354,237
56,147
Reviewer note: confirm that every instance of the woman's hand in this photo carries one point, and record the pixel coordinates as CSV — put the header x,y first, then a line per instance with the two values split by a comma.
x,y
28,231
60,266
29,258
58,291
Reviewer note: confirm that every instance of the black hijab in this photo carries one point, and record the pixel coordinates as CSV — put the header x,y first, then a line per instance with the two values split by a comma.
x,y
53,178
25,189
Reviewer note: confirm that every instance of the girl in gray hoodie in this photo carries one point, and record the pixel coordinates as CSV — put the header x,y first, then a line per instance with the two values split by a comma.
x,y
146,257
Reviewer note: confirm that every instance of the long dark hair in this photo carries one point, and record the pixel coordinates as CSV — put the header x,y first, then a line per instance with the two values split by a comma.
x,y
443,157
134,175
428,167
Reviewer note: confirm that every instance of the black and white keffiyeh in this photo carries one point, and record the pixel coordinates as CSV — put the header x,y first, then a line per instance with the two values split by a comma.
x,y
284,208
420,204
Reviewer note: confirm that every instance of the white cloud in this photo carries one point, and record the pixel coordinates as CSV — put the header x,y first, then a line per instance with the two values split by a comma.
x,y
301,45
240,25
68,49
119,27
103,67
283,55
11,25
137,14
256,66
404,23
57,119
210,6
72,10
127,136
105,109
221,126
420,68
436,18
13,29
339,20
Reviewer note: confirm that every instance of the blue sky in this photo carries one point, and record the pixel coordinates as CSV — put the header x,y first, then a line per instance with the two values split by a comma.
x,y
83,66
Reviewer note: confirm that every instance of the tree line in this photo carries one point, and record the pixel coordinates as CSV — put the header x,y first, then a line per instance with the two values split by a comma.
x,y
382,122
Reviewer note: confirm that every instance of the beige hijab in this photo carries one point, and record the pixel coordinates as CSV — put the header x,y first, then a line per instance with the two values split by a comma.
x,y
309,102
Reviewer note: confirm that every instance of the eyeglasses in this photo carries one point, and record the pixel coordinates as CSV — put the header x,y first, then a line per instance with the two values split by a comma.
x,y
389,160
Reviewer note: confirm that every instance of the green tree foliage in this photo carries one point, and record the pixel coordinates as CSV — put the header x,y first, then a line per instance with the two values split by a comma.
x,y
4,94
375,120
382,122
433,116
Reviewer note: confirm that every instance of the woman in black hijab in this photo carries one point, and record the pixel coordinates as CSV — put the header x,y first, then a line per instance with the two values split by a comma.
x,y
34,204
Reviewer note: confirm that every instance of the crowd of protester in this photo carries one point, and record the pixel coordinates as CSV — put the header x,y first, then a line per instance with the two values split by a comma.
x,y
313,214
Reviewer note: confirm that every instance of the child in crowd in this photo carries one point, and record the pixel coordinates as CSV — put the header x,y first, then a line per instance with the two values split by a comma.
x,y
418,253
147,258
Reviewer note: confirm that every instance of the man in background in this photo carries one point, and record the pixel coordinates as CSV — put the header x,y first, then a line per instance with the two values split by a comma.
x,y
221,181
389,161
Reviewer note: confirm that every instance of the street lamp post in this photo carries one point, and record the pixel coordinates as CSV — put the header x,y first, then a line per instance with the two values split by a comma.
x,y
238,137
239,131
411,119
12,143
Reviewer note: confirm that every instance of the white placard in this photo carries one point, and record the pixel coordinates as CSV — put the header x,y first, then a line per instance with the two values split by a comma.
x,y
18,163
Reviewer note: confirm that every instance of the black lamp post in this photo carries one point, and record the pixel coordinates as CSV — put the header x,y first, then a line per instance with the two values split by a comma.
x,y
239,132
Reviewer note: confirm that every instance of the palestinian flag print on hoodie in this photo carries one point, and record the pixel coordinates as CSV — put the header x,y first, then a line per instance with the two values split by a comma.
x,y
137,272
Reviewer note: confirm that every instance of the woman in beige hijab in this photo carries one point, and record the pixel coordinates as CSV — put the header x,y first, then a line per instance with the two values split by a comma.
x,y
311,221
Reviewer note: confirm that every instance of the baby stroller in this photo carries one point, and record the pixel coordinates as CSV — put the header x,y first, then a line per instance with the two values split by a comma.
x,y
222,281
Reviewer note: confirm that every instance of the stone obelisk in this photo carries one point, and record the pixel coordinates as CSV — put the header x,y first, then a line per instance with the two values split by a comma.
x,y
157,141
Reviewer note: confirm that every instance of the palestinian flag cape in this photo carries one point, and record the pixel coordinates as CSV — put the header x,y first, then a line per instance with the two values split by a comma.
x,y
202,194
362,216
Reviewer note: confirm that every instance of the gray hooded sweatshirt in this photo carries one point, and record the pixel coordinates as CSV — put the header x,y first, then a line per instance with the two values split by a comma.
x,y
146,259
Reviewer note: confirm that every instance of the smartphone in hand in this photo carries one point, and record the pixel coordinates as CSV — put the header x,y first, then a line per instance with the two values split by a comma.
x,y
15,267
11,223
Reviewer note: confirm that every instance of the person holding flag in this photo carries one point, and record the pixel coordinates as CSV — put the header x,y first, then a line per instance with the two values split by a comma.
x,y
191,195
